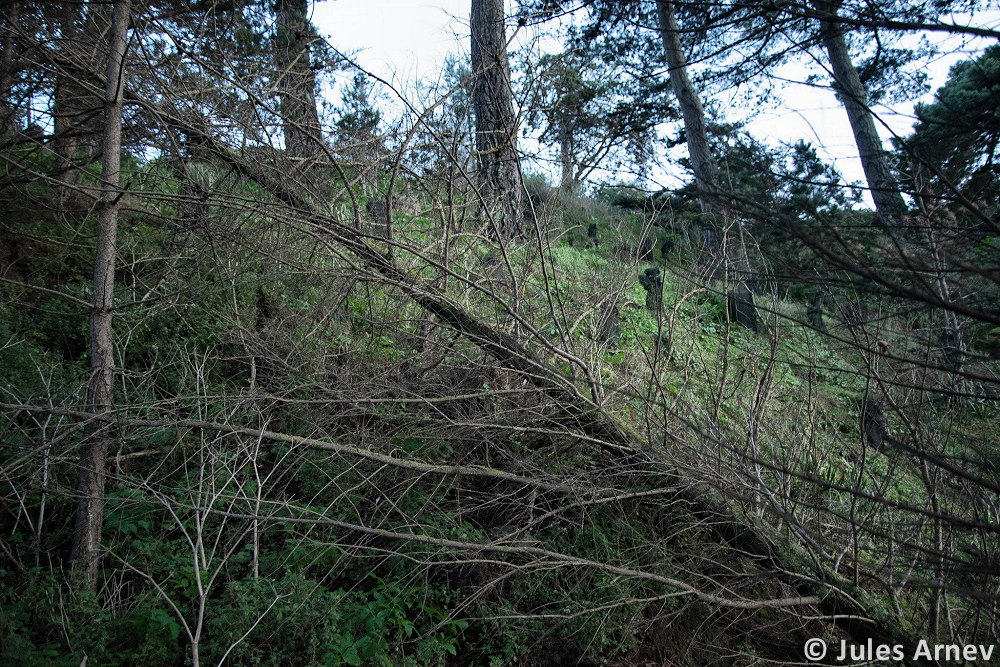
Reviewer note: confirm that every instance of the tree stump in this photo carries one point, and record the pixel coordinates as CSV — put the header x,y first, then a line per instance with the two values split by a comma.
x,y
652,282
646,250
815,311
610,326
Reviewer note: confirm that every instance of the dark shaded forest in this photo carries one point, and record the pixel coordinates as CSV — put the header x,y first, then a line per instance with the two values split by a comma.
x,y
298,367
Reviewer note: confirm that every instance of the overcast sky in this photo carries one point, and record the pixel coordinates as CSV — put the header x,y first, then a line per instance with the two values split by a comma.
x,y
403,40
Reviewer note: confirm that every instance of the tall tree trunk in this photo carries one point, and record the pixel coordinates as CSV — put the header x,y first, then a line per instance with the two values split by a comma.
x,y
687,97
567,181
496,125
695,132
885,191
8,66
296,79
93,453
66,111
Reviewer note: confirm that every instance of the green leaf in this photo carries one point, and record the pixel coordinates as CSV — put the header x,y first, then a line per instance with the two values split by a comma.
x,y
351,657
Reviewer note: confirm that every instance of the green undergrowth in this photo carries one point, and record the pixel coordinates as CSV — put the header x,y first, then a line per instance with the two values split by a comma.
x,y
277,553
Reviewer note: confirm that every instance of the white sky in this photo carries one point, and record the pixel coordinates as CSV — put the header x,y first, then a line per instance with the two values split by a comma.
x,y
404,40
397,39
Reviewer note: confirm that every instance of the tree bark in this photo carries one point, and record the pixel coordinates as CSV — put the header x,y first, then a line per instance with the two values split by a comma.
x,y
885,191
93,453
66,111
7,67
567,181
496,125
687,97
296,79
695,133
